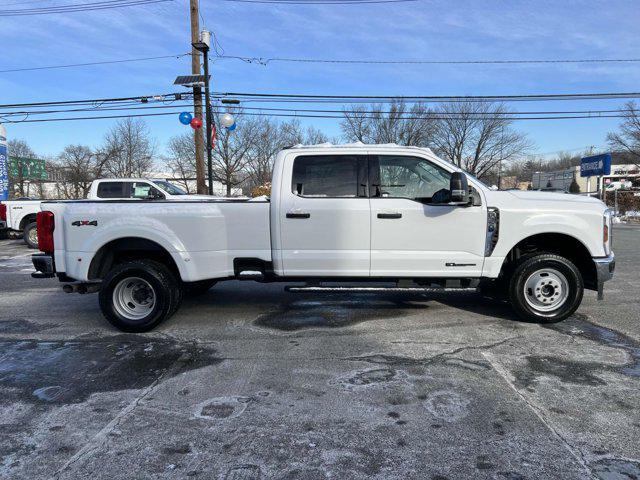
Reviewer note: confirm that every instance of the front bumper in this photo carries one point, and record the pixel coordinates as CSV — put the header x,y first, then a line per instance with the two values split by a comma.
x,y
3,225
604,271
44,265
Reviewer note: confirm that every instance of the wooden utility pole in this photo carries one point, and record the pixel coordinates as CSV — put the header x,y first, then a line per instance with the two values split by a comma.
x,y
197,98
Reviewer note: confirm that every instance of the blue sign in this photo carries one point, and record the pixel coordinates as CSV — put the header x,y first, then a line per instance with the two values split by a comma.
x,y
596,165
4,169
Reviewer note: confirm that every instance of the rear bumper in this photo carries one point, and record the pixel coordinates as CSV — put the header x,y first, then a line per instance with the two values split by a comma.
x,y
604,271
44,265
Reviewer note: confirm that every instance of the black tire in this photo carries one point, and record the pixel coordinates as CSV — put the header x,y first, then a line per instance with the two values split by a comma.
x,y
29,234
193,289
548,276
148,277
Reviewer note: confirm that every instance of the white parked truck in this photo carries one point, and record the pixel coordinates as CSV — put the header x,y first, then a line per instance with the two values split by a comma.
x,y
19,216
397,217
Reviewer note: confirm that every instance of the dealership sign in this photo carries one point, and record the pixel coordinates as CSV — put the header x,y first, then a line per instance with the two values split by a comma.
x,y
27,168
596,165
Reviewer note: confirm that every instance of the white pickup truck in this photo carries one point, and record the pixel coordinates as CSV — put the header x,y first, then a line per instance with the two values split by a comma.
x,y
398,217
19,216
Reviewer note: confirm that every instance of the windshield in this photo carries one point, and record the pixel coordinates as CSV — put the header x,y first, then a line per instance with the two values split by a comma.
x,y
170,188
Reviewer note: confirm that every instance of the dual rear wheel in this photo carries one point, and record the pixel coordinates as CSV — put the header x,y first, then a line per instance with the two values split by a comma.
x,y
136,296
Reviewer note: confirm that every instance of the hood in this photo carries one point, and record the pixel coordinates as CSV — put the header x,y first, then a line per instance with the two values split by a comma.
x,y
553,197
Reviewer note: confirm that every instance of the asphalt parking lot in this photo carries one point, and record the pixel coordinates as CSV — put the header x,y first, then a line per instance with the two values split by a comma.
x,y
249,382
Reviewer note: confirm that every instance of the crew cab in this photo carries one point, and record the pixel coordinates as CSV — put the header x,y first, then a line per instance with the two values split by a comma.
x,y
19,216
398,217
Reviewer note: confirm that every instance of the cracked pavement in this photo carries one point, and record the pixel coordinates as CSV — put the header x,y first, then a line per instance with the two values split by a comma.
x,y
250,382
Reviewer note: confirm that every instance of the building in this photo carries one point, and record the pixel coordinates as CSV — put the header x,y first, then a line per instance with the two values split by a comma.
x,y
622,177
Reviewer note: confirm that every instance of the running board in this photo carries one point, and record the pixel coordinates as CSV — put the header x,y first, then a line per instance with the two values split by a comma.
x,y
381,289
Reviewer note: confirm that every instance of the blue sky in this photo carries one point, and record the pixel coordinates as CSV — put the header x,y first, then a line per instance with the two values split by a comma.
x,y
425,29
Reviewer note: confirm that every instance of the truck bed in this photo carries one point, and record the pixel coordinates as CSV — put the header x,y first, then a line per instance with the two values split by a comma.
x,y
202,236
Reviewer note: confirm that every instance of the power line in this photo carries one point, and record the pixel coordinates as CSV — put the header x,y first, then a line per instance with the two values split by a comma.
x,y
78,7
274,97
296,115
137,106
266,61
97,101
106,62
284,97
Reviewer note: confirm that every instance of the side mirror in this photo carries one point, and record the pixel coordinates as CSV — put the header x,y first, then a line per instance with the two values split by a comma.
x,y
459,188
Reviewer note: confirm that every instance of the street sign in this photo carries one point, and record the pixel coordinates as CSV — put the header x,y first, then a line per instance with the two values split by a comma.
x,y
596,165
32,168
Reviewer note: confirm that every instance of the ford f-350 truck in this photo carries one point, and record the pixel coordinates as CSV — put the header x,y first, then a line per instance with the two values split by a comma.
x,y
398,217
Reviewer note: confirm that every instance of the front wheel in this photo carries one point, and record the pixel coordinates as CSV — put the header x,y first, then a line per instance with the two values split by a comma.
x,y
30,235
545,288
137,296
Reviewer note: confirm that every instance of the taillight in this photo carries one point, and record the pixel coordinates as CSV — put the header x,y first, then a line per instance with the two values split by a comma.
x,y
3,212
46,225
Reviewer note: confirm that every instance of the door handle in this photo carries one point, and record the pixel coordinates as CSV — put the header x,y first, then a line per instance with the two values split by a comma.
x,y
298,215
390,215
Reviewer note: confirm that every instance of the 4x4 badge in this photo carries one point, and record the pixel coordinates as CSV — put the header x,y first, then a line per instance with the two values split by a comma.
x,y
82,223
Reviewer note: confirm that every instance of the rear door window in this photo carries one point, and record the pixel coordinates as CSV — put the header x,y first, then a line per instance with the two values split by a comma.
x,y
113,190
329,176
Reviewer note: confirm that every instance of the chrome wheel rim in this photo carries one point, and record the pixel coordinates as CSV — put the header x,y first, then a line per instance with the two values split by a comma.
x,y
134,298
33,236
546,290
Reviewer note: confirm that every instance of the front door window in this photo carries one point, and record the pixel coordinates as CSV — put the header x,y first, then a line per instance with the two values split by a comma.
x,y
410,177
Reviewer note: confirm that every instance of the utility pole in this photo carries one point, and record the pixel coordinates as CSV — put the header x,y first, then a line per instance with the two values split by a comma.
x,y
203,46
197,98
207,99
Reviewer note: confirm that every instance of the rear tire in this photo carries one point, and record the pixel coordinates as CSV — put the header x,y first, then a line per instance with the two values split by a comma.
x,y
30,235
545,288
137,296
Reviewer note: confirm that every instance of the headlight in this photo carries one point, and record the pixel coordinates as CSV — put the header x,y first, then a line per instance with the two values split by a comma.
x,y
493,230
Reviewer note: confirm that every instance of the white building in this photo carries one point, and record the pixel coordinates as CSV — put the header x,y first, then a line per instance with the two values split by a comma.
x,y
622,177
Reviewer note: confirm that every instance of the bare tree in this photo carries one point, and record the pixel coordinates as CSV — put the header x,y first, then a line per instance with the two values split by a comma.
x,y
182,160
293,133
231,151
477,136
19,148
270,138
266,144
79,167
627,139
393,123
128,149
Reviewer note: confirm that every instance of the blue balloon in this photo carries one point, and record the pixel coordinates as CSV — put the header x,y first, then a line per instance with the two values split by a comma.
x,y
185,118
232,127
